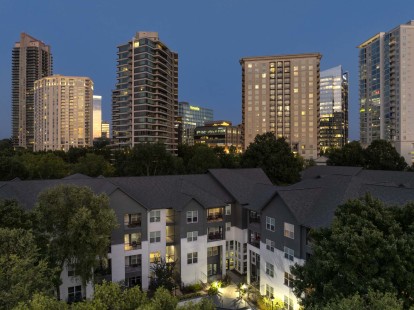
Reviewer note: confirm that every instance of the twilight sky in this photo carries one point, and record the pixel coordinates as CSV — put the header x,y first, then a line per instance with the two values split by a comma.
x,y
210,37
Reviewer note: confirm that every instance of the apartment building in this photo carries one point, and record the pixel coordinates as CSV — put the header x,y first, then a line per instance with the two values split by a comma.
x,y
63,113
145,99
219,221
280,94
31,60
97,117
386,86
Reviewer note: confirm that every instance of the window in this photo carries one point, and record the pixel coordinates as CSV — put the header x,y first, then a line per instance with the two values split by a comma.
x,y
74,293
155,257
133,281
212,251
132,220
228,226
155,236
270,270
270,223
132,241
289,253
288,303
192,236
155,216
192,216
269,291
211,269
192,258
288,279
228,210
289,231
270,245
71,271
133,260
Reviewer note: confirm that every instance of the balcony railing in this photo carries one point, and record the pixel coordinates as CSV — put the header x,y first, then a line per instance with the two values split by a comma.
x,y
134,245
169,239
134,224
215,217
255,242
132,268
215,236
254,220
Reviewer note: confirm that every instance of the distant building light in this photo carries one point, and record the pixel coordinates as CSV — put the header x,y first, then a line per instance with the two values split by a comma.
x,y
194,108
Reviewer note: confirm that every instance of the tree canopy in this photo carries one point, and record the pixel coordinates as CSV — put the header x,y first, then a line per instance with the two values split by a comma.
x,y
75,225
369,246
275,157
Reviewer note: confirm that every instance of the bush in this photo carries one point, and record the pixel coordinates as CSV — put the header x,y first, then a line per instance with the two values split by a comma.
x,y
189,296
192,288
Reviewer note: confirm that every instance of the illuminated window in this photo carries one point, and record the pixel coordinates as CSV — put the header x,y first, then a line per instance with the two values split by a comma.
x,y
289,231
155,257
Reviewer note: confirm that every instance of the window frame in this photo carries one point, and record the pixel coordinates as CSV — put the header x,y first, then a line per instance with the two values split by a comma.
x,y
153,216
270,245
192,216
270,223
289,253
289,230
270,269
192,258
155,236
192,236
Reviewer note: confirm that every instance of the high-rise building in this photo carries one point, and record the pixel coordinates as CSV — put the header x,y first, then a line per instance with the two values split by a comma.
x,y
31,60
191,117
219,133
145,101
333,129
105,130
386,89
63,112
280,94
97,116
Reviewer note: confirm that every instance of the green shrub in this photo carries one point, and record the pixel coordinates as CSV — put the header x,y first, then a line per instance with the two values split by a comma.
x,y
189,296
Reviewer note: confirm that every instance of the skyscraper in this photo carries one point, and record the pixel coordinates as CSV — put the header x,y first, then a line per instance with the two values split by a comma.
x,y
31,60
191,117
63,112
97,116
280,94
333,132
386,89
145,101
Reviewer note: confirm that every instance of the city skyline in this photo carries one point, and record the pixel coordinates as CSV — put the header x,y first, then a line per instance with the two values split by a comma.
x,y
210,74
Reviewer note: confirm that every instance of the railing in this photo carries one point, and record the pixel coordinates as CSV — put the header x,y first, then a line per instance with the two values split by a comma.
x,y
132,268
134,224
169,239
215,217
255,242
132,246
215,236
254,220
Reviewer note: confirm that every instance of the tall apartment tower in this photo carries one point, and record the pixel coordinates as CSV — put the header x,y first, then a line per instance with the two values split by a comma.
x,y
31,60
333,129
145,101
63,112
280,94
386,89
97,116
191,117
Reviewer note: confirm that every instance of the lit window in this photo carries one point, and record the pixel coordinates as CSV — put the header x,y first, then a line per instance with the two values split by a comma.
x,y
270,223
289,228
155,257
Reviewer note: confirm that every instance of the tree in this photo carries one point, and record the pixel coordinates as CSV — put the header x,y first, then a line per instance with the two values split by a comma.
x,y
351,154
93,165
163,275
147,159
163,300
42,302
22,273
12,167
275,157
381,155
44,166
369,246
230,160
204,158
13,216
75,225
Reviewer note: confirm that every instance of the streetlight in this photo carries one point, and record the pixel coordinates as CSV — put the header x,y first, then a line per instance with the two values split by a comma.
x,y
272,298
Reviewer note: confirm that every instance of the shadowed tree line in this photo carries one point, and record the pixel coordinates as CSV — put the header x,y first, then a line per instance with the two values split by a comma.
x,y
272,155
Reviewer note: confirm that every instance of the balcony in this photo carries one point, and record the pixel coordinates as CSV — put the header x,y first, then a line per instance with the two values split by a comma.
x,y
132,268
254,239
134,245
214,236
215,214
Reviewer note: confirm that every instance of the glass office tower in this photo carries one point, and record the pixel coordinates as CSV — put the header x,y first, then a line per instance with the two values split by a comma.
x,y
191,117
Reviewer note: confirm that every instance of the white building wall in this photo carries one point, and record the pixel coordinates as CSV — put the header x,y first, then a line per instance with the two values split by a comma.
x,y
69,281
255,250
281,265
193,273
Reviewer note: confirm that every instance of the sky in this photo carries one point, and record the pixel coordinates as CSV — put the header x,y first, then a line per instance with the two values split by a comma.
x,y
210,37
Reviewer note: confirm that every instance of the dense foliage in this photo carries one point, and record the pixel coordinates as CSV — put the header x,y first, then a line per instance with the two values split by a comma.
x,y
379,155
369,247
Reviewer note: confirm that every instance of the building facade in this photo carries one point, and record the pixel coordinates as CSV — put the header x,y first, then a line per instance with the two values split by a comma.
x,y
31,60
280,94
226,219
191,117
386,89
105,130
145,99
97,116
219,133
333,128
63,112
